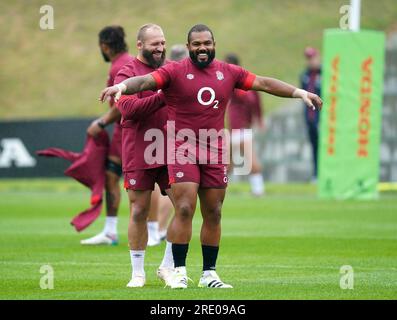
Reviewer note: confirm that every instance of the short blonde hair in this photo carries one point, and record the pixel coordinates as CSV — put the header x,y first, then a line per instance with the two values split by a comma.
x,y
143,29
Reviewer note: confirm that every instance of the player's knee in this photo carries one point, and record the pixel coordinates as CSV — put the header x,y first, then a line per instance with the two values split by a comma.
x,y
139,213
113,170
213,215
185,211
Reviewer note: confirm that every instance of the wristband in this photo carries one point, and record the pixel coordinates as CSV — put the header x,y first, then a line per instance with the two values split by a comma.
x,y
122,87
101,124
299,93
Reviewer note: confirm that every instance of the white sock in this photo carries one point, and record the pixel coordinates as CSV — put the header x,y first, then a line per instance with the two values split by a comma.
x,y
163,233
137,262
153,229
257,184
110,226
168,259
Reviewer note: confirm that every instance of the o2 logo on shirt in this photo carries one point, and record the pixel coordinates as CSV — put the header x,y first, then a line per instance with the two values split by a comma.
x,y
211,99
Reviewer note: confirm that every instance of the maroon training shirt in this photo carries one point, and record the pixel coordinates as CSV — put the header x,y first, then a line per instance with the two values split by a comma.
x,y
197,98
117,64
243,108
138,116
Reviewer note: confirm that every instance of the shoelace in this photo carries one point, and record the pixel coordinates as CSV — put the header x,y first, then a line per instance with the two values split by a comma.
x,y
188,279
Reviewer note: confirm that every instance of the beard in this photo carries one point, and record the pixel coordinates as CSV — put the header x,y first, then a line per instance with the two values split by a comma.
x,y
202,64
152,61
105,57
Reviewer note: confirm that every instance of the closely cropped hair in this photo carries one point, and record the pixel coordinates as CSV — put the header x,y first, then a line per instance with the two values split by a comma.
x,y
142,30
199,28
114,37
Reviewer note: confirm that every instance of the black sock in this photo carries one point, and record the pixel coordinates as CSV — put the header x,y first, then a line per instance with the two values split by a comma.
x,y
210,254
179,252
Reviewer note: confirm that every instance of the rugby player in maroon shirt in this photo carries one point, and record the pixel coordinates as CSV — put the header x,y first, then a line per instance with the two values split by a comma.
x,y
114,50
197,90
140,113
244,111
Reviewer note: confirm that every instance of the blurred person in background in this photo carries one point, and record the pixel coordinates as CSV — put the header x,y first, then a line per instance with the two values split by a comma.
x,y
245,112
165,207
114,50
178,52
310,81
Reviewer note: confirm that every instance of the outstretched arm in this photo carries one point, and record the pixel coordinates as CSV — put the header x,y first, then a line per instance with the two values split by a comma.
x,y
132,107
283,89
128,87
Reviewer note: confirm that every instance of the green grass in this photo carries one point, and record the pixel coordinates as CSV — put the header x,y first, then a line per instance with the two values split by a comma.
x,y
288,245
60,72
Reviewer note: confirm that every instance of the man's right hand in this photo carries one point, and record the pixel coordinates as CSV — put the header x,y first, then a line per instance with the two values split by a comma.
x,y
114,91
94,129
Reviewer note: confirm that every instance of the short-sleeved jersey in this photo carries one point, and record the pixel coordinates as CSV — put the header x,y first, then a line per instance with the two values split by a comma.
x,y
243,108
133,144
197,98
117,64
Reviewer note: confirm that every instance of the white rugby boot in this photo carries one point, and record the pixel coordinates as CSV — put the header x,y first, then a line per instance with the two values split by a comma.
x,y
211,279
179,278
165,274
101,239
137,281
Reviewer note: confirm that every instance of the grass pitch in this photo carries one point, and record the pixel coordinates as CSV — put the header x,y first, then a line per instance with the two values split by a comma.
x,y
288,245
